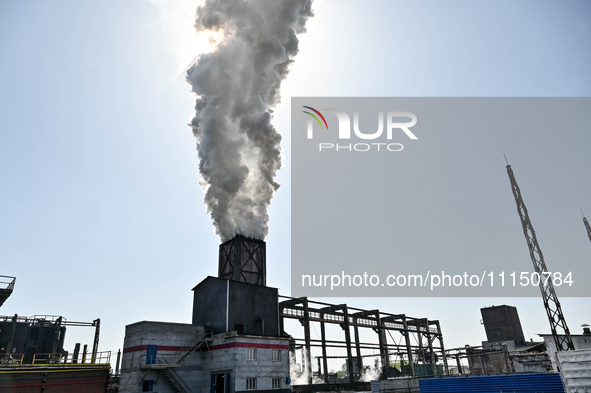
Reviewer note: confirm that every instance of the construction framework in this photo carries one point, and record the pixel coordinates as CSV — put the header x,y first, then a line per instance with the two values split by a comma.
x,y
551,304
425,333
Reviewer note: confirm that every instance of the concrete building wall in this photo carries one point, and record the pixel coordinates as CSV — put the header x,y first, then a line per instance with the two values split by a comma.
x,y
226,353
580,341
576,370
531,363
264,368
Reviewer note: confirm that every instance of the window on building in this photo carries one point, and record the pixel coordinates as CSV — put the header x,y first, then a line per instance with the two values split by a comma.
x,y
251,354
251,384
276,383
276,355
151,354
148,385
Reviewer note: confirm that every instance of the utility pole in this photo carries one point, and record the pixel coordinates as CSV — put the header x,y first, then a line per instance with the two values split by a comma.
x,y
553,310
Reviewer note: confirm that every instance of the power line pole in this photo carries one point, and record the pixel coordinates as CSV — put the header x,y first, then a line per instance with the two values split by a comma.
x,y
551,304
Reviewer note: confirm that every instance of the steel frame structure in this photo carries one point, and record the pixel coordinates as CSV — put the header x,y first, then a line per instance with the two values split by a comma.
x,y
424,331
551,303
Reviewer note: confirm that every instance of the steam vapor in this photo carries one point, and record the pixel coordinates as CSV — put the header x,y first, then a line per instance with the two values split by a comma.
x,y
237,87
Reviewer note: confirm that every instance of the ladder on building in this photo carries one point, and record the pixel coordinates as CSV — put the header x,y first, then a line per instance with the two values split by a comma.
x,y
200,339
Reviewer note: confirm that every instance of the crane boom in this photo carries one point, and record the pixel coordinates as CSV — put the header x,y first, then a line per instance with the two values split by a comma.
x,y
551,304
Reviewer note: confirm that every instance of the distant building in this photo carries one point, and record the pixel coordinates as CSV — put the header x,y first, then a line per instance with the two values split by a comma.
x,y
501,323
505,335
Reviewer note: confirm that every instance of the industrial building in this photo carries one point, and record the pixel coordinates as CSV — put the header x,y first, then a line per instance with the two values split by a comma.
x,y
161,356
237,340
233,343
33,358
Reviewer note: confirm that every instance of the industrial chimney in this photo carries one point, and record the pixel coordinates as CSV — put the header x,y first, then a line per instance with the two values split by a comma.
x,y
243,259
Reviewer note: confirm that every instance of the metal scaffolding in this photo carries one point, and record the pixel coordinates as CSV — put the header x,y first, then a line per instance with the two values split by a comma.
x,y
424,332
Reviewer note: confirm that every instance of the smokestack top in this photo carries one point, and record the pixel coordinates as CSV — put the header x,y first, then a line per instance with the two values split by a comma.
x,y
243,259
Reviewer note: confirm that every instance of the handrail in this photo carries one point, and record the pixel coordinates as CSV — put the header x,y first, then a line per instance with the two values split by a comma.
x,y
157,359
34,318
7,318
13,358
47,318
68,358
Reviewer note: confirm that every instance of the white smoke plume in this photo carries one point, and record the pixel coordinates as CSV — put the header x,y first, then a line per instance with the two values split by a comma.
x,y
237,87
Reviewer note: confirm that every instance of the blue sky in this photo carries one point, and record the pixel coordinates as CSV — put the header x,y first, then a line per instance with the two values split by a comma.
x,y
100,206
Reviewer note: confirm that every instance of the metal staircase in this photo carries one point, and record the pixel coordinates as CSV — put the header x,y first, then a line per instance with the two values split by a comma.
x,y
174,380
166,364
202,337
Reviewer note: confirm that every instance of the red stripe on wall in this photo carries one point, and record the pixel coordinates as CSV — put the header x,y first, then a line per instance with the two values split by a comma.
x,y
212,348
145,348
135,349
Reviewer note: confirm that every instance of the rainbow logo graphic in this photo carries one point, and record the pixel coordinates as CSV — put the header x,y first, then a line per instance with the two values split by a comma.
x,y
314,116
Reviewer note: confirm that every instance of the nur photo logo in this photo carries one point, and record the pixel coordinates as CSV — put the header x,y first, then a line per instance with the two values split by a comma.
x,y
395,120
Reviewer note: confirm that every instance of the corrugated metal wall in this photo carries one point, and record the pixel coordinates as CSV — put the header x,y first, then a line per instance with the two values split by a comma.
x,y
509,383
